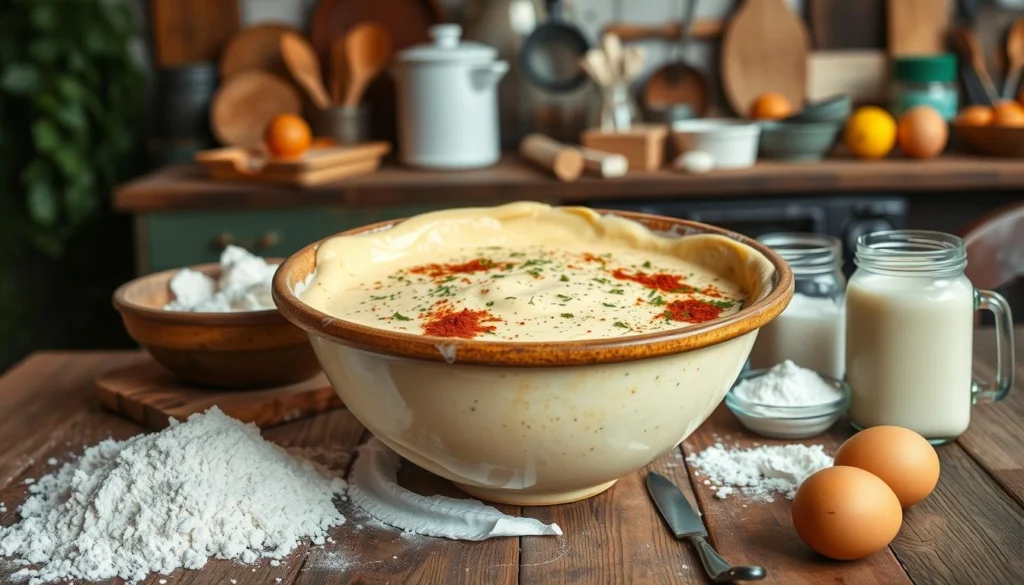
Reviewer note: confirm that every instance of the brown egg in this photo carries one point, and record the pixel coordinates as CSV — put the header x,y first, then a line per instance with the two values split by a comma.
x,y
922,132
846,513
901,458
1008,113
975,115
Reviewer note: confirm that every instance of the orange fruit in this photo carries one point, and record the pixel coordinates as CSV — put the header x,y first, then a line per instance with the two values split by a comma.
x,y
1008,113
922,132
288,136
870,132
771,106
975,116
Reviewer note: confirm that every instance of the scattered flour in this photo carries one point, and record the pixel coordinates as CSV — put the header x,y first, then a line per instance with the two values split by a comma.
x,y
761,471
210,487
244,285
373,486
787,384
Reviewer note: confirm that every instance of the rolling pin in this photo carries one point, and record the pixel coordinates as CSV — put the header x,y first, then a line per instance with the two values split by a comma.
x,y
605,164
565,161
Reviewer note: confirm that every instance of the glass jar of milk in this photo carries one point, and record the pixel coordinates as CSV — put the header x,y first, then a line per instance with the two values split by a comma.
x,y
909,335
810,331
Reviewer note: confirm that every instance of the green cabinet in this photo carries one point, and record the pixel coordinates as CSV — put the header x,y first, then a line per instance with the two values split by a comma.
x,y
173,240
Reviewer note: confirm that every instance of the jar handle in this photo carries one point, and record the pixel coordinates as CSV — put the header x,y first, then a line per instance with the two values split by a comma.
x,y
1000,387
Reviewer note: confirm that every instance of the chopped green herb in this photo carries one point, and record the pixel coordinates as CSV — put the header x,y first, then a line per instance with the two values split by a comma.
x,y
401,317
658,301
601,280
497,276
609,305
490,303
510,298
378,298
567,315
647,264
449,279
720,304
620,325
564,297
617,291
531,300
564,278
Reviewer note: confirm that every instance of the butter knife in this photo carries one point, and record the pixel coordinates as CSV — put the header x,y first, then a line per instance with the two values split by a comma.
x,y
685,524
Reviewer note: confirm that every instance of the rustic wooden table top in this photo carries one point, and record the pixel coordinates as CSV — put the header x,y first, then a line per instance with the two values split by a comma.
x,y
971,529
186,187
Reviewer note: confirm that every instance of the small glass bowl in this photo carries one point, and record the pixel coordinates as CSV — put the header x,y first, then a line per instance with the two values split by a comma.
x,y
787,422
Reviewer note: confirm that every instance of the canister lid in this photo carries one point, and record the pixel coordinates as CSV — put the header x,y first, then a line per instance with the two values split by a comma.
x,y
925,68
447,47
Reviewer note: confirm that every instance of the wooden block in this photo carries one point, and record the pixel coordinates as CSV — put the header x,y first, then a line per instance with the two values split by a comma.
x,y
643,146
861,74
149,394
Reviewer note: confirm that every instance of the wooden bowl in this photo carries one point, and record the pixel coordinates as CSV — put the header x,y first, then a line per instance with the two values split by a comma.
x,y
992,140
241,350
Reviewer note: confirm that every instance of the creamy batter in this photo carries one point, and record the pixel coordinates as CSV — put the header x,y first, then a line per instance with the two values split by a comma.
x,y
530,272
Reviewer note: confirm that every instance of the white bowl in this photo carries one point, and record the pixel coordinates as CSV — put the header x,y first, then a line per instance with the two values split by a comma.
x,y
731,143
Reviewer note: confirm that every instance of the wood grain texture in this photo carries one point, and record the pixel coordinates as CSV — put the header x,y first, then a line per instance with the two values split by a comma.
x,y
614,537
841,24
191,31
246,103
187,188
753,532
917,27
150,395
256,48
764,50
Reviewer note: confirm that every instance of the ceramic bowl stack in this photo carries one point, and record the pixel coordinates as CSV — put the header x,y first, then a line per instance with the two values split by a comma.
x,y
807,135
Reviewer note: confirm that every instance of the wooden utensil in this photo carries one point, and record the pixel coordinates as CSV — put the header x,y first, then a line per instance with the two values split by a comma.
x,y
566,162
1014,58
595,63
300,58
338,70
612,46
257,48
669,31
917,27
841,24
969,49
764,49
633,60
368,47
191,31
246,103
407,21
149,394
678,83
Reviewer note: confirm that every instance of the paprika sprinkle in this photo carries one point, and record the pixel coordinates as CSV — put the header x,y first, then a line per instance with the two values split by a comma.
x,y
692,311
662,281
444,270
444,321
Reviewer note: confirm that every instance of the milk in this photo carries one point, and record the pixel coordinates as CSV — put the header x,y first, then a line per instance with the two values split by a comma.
x,y
810,332
908,352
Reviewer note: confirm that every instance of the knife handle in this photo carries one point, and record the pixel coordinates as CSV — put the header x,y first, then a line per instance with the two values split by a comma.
x,y
719,570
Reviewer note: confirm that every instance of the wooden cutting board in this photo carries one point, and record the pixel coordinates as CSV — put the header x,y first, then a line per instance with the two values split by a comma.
x,y
764,50
149,394
318,166
246,103
256,48
918,27
191,31
842,24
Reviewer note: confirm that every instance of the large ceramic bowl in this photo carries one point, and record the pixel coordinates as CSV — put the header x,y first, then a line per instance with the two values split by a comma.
x,y
535,423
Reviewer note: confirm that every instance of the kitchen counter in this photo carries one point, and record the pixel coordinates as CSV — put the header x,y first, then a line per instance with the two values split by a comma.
x,y
186,187
971,529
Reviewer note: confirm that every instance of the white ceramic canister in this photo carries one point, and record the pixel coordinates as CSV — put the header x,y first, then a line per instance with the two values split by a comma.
x,y
909,326
448,102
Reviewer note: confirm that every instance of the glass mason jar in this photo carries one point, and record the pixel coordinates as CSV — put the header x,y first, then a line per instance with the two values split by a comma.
x,y
909,335
618,110
810,332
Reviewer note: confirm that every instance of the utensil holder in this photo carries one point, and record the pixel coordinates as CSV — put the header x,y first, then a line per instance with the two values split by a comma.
x,y
618,110
642,145
343,124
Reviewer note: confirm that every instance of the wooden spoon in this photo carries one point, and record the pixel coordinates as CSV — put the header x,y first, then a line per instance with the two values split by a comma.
x,y
339,70
300,58
368,47
1015,57
969,47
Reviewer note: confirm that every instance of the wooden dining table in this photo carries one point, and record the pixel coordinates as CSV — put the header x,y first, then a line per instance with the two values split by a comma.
x,y
970,530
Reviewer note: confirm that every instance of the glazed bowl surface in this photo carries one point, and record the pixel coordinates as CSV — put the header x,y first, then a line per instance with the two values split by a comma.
x,y
239,350
534,423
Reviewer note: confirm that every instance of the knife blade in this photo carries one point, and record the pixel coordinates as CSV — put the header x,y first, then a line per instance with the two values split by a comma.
x,y
677,512
686,524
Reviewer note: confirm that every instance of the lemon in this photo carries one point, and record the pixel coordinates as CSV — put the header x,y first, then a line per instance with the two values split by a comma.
x,y
870,132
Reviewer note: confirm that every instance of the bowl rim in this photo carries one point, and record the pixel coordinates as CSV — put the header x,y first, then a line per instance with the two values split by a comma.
x,y
704,125
127,307
794,413
541,353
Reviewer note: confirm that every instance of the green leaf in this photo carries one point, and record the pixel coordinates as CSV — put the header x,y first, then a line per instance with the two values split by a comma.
x,y
44,16
20,79
69,161
45,135
42,203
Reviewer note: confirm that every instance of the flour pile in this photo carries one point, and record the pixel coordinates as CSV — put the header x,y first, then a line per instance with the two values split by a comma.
x,y
761,471
210,487
244,285
787,384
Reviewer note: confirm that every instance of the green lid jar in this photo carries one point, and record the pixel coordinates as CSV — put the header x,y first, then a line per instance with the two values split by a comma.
x,y
924,80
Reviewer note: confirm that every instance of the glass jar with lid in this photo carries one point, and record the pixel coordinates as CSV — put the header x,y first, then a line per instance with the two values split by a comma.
x,y
810,332
909,335
924,80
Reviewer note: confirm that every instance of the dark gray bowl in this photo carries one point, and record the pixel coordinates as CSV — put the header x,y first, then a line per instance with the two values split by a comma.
x,y
833,109
797,141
